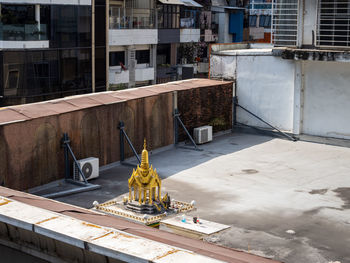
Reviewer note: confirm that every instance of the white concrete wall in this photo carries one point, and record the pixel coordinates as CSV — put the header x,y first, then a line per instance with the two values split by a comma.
x,y
223,67
265,86
309,22
327,99
143,74
189,35
24,44
129,37
264,90
303,97
118,76
49,2
223,19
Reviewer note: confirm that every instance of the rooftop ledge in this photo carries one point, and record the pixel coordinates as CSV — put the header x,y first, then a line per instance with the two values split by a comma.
x,y
313,54
243,49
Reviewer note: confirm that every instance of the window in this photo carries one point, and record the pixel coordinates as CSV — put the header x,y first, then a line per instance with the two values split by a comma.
x,y
19,22
143,56
252,20
333,27
168,16
121,18
265,21
189,18
12,79
285,26
115,58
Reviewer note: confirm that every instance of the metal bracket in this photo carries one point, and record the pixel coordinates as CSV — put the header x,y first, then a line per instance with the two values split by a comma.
x,y
123,135
178,121
82,186
235,104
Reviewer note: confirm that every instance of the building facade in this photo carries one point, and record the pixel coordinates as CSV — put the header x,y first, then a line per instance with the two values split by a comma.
x,y
58,48
260,14
301,84
45,50
132,39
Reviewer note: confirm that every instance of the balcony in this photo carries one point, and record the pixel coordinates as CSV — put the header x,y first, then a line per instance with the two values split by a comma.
x,y
128,37
21,36
118,76
132,26
189,35
143,72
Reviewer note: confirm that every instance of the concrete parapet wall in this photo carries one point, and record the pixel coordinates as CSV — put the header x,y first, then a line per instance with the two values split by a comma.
x,y
30,135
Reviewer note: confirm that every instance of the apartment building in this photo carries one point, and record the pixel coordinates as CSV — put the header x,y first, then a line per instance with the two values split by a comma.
x,y
132,43
45,49
301,83
260,13
58,48
178,36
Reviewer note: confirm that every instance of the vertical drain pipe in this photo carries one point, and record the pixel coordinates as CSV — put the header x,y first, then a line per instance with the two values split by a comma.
x,y
176,112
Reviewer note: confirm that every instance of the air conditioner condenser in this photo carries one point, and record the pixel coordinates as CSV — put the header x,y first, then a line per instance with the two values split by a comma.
x,y
89,167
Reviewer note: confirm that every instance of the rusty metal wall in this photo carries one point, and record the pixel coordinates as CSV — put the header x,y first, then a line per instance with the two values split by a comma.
x,y
30,147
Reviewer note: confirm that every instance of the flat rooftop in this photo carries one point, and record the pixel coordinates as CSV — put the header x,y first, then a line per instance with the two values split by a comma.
x,y
284,200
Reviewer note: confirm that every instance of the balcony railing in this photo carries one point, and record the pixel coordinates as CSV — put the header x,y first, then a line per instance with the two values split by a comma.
x,y
260,5
23,32
131,18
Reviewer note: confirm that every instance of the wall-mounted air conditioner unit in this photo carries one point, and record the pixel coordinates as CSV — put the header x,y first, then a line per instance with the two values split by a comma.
x,y
89,167
203,134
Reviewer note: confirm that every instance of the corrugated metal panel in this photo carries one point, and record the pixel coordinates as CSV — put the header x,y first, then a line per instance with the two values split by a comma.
x,y
171,2
197,246
284,22
333,27
191,3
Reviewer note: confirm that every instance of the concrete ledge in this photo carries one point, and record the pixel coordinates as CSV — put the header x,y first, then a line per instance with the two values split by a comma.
x,y
86,236
24,44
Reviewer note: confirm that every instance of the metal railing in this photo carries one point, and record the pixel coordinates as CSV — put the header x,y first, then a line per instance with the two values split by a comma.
x,y
23,32
131,18
284,25
333,23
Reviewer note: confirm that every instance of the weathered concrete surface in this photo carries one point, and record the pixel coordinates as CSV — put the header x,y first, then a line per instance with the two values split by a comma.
x,y
262,187
30,135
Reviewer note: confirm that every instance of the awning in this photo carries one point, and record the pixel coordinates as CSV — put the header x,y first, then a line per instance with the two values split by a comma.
x,y
191,3
171,2
223,4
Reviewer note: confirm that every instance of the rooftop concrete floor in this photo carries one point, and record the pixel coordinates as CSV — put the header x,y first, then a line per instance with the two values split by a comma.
x,y
262,187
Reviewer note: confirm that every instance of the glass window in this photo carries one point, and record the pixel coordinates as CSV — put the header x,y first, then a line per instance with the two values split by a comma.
x,y
252,20
168,16
189,18
116,58
19,24
262,21
143,56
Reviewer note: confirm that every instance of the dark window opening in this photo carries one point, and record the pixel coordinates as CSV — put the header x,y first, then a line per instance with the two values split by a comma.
x,y
252,21
143,56
168,16
116,58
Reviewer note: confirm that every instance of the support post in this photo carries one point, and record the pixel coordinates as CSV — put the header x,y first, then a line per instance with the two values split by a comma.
x,y
273,127
68,150
178,121
65,141
234,111
122,145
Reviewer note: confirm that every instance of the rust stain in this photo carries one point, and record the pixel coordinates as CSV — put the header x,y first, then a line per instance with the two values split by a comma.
x,y
91,225
107,234
168,253
123,235
47,219
5,202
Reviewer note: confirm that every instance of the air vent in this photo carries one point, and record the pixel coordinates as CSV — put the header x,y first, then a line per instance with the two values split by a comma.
x,y
203,134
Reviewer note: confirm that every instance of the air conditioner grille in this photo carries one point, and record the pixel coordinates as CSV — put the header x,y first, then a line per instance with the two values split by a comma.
x,y
204,135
